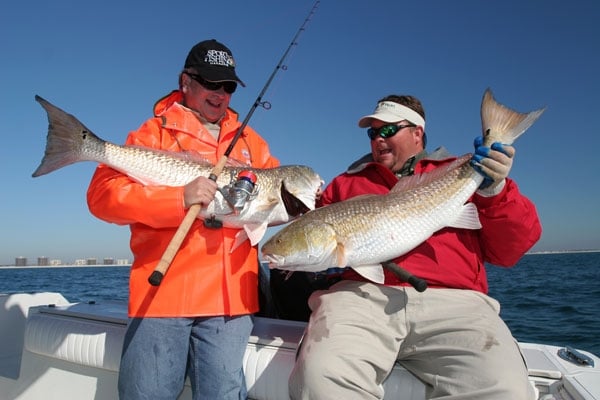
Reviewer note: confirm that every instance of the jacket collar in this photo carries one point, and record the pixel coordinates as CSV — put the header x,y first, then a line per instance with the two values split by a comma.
x,y
409,166
169,109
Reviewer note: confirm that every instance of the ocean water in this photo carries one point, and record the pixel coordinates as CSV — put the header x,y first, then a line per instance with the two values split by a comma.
x,y
546,298
551,299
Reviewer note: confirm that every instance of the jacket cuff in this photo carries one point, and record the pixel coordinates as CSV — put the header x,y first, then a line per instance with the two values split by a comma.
x,y
492,191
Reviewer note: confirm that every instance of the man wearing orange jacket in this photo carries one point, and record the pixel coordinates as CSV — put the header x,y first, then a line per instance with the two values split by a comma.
x,y
197,322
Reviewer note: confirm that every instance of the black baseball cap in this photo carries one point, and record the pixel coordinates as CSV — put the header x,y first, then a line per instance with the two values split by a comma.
x,y
213,61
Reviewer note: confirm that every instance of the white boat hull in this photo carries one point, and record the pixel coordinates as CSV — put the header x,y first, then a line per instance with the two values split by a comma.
x,y
72,351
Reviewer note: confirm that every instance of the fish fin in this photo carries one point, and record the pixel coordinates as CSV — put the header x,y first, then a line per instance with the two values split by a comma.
x,y
374,273
467,218
66,140
501,124
240,238
255,232
340,252
414,181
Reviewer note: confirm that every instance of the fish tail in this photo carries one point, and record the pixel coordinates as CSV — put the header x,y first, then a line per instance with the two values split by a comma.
x,y
66,140
501,124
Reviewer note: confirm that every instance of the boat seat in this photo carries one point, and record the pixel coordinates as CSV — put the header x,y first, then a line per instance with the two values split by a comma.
x,y
271,354
92,335
61,333
13,318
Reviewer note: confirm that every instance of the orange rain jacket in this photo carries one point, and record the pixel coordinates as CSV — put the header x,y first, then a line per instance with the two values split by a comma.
x,y
203,279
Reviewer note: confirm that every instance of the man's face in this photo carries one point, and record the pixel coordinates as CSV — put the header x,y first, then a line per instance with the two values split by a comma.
x,y
395,150
210,104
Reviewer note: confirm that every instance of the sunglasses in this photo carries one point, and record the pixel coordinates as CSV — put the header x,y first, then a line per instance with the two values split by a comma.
x,y
386,131
228,86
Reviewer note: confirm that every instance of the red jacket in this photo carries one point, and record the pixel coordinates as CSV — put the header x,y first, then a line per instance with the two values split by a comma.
x,y
204,279
452,258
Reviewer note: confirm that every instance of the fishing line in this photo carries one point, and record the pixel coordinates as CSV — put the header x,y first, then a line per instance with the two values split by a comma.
x,y
163,265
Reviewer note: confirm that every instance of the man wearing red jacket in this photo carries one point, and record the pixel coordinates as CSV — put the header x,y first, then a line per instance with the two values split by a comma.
x,y
451,335
198,321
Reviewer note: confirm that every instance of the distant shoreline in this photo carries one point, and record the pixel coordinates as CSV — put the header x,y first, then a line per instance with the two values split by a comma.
x,y
129,265
563,252
62,266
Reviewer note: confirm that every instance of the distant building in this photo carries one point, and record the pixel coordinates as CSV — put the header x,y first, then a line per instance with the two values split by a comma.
x,y
46,261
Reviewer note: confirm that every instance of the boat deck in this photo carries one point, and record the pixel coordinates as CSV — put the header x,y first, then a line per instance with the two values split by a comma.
x,y
80,344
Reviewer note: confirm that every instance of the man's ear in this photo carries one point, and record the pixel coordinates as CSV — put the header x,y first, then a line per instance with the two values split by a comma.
x,y
184,82
419,132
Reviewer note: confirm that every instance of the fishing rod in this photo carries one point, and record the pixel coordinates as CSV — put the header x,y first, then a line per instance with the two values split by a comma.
x,y
163,265
419,284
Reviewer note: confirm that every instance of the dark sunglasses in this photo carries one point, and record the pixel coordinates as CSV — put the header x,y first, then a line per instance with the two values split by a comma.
x,y
228,86
386,131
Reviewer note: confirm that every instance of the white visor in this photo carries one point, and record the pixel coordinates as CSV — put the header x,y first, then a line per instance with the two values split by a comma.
x,y
389,111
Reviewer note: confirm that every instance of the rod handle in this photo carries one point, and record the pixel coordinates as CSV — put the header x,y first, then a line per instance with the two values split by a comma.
x,y
419,284
171,251
174,245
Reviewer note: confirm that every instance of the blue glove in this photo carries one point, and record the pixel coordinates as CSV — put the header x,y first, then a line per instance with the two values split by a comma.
x,y
493,162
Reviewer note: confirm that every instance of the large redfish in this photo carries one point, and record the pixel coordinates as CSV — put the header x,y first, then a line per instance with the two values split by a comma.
x,y
365,231
281,193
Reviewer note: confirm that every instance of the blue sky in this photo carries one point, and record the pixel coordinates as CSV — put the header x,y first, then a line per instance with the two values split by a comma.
x,y
108,62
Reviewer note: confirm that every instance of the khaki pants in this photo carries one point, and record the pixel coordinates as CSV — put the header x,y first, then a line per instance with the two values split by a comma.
x,y
453,340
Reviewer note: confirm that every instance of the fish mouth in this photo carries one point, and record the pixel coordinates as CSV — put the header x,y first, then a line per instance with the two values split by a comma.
x,y
293,206
273,260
